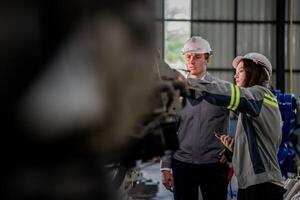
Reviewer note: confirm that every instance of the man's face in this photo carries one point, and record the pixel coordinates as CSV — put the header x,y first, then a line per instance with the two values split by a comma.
x,y
195,63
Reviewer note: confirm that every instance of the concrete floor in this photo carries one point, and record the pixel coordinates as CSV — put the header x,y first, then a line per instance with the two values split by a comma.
x,y
152,171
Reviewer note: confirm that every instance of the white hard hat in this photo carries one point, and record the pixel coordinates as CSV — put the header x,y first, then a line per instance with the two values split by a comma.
x,y
196,44
257,58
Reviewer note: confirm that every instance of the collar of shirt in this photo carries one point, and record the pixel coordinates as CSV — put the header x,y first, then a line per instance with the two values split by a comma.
x,y
203,77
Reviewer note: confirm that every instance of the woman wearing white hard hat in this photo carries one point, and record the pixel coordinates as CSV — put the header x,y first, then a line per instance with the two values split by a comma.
x,y
258,132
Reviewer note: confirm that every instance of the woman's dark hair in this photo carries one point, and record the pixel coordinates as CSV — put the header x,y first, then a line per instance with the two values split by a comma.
x,y
255,73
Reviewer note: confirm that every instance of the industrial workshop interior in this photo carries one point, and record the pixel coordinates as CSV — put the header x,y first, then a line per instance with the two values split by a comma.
x,y
150,99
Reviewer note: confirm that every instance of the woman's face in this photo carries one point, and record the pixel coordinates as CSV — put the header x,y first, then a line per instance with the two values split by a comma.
x,y
240,75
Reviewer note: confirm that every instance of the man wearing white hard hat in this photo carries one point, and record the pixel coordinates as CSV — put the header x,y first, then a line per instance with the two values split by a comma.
x,y
197,162
258,133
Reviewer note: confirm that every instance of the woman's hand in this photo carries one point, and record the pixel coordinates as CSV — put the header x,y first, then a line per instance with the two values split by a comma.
x,y
227,141
222,157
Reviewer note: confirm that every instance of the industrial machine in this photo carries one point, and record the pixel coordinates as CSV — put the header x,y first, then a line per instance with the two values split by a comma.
x,y
288,151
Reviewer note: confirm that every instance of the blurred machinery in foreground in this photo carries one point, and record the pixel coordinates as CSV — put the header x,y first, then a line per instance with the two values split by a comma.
x,y
156,134
80,92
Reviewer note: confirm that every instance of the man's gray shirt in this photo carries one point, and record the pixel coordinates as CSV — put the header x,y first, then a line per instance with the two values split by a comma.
x,y
197,141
